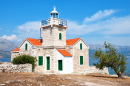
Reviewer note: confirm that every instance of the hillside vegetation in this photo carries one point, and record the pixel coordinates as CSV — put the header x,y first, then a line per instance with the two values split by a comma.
x,y
6,46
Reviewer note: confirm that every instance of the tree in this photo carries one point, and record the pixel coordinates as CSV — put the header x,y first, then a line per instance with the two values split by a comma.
x,y
110,58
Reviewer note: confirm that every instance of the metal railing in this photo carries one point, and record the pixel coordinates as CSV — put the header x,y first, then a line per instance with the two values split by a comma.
x,y
56,21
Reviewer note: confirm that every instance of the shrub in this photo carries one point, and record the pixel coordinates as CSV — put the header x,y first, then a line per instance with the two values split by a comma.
x,y
25,59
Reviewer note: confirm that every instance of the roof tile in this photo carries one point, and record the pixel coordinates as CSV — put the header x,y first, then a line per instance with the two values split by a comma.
x,y
64,52
17,49
35,42
72,41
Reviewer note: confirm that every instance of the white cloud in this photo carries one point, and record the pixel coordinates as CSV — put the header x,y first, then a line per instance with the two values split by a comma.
x,y
29,26
99,29
0,28
12,37
99,15
113,25
28,30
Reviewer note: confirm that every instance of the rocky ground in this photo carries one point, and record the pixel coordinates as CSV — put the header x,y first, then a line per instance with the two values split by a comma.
x,y
34,79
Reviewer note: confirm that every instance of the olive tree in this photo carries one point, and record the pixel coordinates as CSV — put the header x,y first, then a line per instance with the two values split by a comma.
x,y
110,58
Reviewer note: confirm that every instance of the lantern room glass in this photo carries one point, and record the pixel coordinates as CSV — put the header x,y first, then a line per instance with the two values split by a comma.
x,y
54,15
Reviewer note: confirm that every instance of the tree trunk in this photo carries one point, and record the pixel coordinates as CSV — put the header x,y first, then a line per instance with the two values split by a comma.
x,y
119,75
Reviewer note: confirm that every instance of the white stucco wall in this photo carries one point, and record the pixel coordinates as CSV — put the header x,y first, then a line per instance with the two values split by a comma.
x,y
67,63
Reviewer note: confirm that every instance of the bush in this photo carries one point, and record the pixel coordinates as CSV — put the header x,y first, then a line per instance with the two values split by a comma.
x,y
25,59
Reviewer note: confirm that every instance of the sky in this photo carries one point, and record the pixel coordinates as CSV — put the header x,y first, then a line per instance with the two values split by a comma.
x,y
95,21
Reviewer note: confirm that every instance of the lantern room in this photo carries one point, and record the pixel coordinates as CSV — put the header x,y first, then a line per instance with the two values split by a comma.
x,y
54,13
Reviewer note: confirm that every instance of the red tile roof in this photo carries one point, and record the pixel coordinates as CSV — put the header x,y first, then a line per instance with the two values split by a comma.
x,y
72,41
17,49
36,42
64,52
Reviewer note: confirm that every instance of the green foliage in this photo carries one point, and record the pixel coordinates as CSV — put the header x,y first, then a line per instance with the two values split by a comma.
x,y
25,59
110,58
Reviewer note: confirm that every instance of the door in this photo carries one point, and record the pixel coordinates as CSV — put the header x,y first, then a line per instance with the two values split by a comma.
x,y
60,65
48,63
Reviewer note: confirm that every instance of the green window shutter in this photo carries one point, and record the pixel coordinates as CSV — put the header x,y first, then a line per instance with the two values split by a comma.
x,y
81,60
40,60
48,63
60,36
80,46
26,46
60,65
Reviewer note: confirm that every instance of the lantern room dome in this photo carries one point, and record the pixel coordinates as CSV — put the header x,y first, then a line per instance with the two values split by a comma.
x,y
54,13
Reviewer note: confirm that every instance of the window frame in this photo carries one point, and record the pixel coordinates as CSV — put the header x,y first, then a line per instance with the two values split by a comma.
x,y
39,62
81,46
60,36
26,46
81,63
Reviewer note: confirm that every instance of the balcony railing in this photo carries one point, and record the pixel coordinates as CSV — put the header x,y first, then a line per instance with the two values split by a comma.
x,y
56,21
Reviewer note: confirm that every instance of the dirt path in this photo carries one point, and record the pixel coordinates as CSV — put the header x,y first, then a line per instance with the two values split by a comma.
x,y
34,79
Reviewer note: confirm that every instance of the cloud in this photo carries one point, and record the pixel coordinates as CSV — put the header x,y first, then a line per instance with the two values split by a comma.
x,y
99,15
28,30
98,29
12,37
0,28
113,25
30,26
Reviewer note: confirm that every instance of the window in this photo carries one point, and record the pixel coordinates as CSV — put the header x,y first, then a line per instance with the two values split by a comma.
x,y
80,46
60,36
26,46
81,60
40,60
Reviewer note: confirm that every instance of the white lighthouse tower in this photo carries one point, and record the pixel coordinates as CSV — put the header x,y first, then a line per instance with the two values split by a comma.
x,y
54,31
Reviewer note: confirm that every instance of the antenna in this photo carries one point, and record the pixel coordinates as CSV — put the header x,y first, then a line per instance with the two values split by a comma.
x,y
54,7
40,29
40,33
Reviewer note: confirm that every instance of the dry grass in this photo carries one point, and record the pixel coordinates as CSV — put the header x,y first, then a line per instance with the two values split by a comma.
x,y
34,79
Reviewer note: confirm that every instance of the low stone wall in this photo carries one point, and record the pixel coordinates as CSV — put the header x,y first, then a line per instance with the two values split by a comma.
x,y
93,69
9,67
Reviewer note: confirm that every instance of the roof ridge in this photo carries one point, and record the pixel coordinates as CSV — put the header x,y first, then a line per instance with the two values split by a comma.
x,y
35,42
30,38
74,38
16,49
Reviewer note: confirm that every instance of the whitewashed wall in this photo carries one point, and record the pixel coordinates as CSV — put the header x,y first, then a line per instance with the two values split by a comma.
x,y
67,63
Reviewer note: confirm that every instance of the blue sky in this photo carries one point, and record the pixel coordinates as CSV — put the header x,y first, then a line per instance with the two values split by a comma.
x,y
95,21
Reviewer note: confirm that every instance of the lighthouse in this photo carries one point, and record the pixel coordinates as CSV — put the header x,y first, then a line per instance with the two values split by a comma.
x,y
53,52
54,31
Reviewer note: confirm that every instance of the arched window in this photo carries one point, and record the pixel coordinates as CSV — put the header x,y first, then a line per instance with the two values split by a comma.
x,y
60,36
26,46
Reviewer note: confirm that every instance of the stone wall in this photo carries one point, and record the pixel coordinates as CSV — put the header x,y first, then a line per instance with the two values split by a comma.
x,y
51,36
76,57
9,67
93,69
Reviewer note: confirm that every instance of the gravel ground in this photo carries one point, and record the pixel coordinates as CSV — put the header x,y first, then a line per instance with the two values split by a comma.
x,y
35,79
